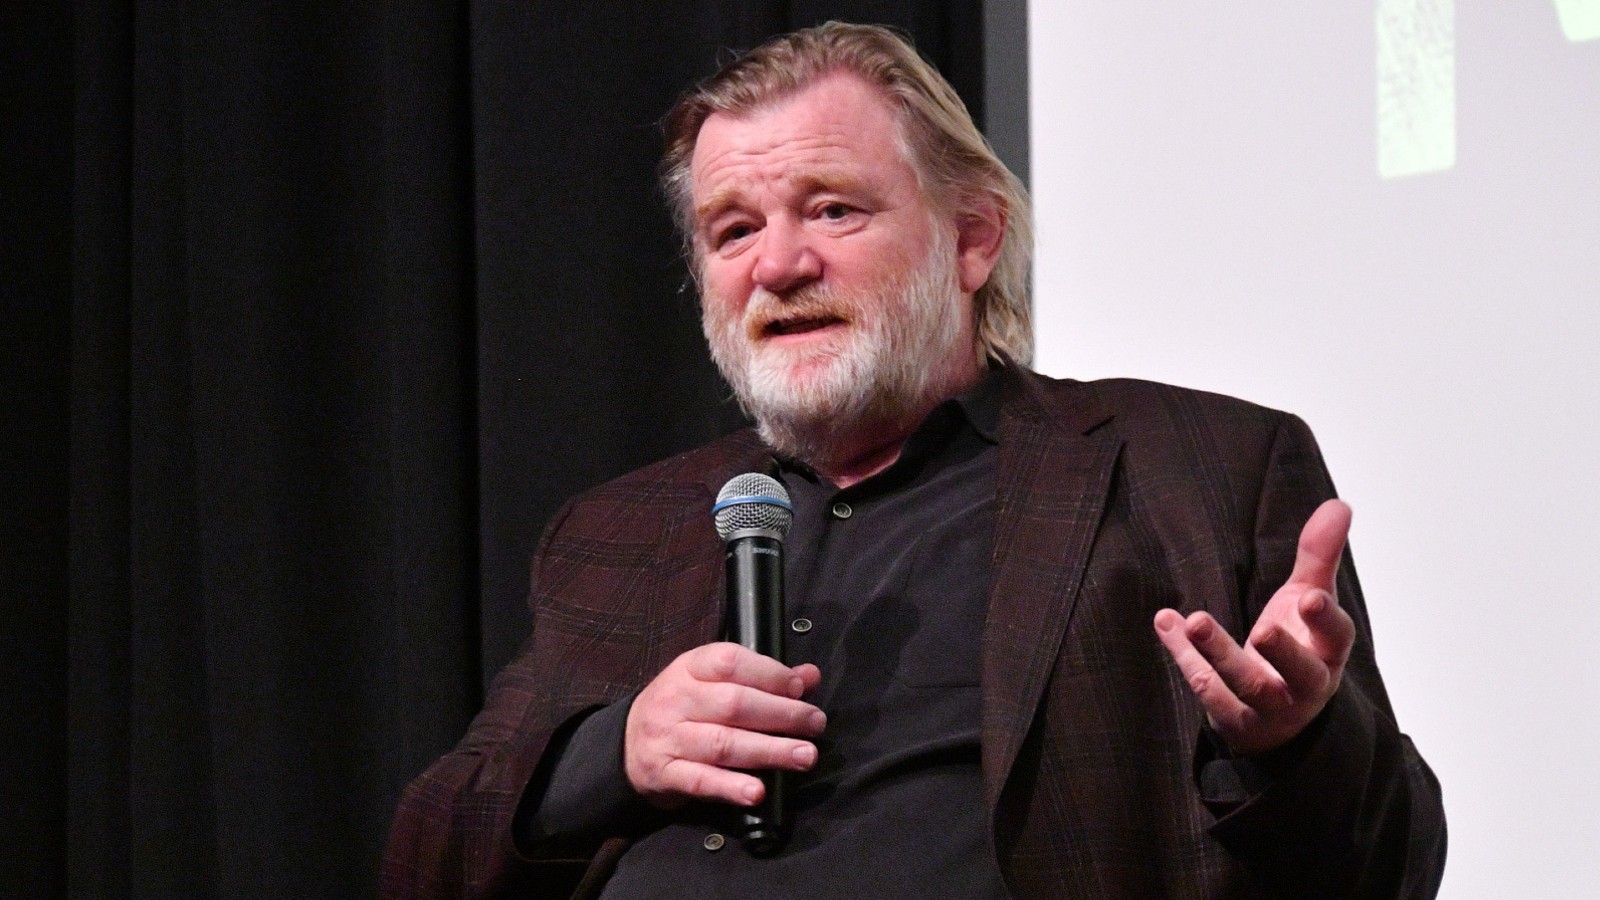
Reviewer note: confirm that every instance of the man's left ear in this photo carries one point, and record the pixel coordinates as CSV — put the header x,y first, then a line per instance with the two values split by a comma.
x,y
979,231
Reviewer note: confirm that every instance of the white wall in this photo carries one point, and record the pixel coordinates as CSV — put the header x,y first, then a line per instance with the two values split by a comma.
x,y
1211,213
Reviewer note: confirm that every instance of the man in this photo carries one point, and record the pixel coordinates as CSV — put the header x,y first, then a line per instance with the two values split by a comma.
x,y
975,702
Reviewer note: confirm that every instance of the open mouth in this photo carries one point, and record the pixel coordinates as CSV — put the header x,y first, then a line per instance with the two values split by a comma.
x,y
800,326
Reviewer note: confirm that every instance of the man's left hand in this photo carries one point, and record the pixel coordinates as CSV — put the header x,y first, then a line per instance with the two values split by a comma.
x,y
1260,696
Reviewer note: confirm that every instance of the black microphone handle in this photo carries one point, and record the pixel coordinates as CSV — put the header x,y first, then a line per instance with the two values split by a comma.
x,y
754,581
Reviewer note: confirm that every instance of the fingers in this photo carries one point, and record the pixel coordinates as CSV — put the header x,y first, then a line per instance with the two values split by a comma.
x,y
810,677
733,748
730,685
706,762
1219,700
737,706
1329,628
1261,695
713,710
1242,669
1321,545
1258,696
682,778
707,758
739,665
1303,673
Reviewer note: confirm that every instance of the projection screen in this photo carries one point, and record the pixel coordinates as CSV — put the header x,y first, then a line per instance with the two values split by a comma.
x,y
1385,217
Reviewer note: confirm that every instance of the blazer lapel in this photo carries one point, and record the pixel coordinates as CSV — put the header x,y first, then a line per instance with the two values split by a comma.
x,y
1054,474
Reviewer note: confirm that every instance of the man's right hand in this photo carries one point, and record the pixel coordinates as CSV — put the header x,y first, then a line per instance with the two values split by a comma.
x,y
713,710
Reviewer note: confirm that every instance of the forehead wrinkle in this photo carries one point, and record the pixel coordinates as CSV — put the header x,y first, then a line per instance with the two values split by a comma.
x,y
820,179
761,147
833,138
758,157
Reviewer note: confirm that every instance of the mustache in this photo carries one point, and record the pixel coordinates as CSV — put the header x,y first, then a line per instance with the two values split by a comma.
x,y
768,313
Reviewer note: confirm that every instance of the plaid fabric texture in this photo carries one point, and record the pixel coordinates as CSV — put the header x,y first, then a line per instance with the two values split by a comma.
x,y
1114,499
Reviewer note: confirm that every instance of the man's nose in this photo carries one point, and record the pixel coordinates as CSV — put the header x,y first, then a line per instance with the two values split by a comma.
x,y
787,259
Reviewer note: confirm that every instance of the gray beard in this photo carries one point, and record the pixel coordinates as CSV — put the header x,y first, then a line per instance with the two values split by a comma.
x,y
895,364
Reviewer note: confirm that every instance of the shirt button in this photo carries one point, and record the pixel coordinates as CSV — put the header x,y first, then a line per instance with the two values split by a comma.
x,y
713,841
842,511
801,626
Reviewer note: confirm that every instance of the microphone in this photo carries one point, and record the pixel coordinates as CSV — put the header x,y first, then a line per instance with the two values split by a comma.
x,y
753,514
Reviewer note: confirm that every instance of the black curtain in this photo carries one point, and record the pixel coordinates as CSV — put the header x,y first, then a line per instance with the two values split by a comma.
x,y
313,313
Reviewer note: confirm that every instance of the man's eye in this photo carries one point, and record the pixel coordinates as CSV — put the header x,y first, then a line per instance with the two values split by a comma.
x,y
835,211
733,233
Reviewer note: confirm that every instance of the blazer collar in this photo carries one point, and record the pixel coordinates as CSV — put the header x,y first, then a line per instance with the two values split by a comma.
x,y
738,453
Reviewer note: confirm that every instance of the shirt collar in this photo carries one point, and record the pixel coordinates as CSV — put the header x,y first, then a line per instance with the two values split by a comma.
x,y
981,405
978,407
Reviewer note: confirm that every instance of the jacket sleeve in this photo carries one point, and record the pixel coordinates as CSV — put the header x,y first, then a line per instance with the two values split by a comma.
x,y
451,835
1354,811
624,579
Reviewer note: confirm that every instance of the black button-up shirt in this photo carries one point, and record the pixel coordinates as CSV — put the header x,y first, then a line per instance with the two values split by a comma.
x,y
886,585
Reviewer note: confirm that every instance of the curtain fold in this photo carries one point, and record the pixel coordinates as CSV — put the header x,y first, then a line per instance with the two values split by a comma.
x,y
35,365
360,293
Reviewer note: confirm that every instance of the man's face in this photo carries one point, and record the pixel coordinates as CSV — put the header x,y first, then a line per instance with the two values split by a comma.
x,y
829,283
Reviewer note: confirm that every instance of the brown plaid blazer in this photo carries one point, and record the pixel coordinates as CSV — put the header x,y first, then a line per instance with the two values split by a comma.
x,y
1114,499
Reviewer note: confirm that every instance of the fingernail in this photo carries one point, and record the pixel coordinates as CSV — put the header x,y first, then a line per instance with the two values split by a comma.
x,y
1316,602
817,720
797,687
1164,623
805,755
1200,630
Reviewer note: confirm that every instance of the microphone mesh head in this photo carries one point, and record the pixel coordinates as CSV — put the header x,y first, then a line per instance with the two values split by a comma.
x,y
753,500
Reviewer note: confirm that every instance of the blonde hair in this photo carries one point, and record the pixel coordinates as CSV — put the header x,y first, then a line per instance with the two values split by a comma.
x,y
955,166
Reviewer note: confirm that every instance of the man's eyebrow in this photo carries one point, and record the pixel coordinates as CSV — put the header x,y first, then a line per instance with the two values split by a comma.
x,y
825,181
832,181
720,201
